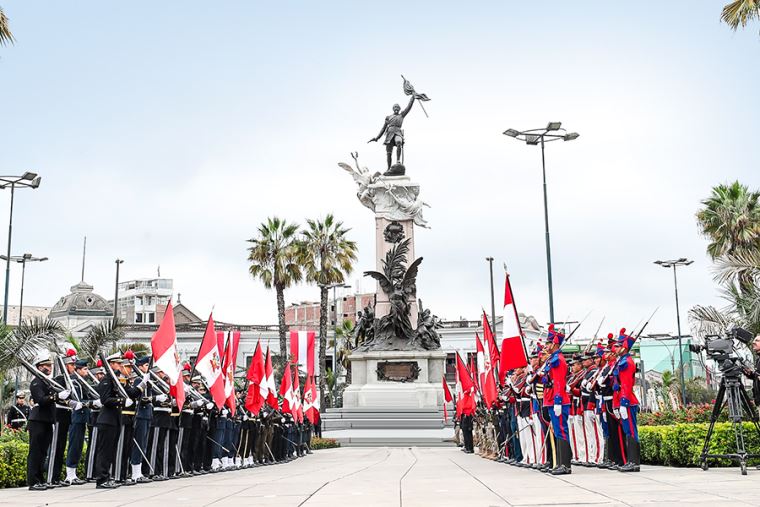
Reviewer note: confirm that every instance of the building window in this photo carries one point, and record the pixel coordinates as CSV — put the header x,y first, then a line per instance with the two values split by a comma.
x,y
151,317
138,318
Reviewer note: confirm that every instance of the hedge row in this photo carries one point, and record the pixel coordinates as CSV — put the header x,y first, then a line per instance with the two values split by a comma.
x,y
680,445
13,452
323,443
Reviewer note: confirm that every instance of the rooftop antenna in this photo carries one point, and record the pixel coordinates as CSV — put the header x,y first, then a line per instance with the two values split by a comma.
x,y
84,255
158,271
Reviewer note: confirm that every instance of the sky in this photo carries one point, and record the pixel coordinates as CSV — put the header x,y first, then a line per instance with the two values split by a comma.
x,y
166,132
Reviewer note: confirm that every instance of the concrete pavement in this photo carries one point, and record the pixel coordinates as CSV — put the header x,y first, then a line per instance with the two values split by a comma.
x,y
415,477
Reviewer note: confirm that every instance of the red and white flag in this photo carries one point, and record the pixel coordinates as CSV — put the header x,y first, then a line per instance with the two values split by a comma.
x,y
302,350
163,344
480,361
209,364
446,398
286,391
512,347
297,405
311,401
492,351
271,396
230,362
257,388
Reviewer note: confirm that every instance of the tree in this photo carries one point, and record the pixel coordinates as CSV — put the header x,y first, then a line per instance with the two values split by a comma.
x,y
730,218
101,338
343,335
274,261
6,37
740,12
327,258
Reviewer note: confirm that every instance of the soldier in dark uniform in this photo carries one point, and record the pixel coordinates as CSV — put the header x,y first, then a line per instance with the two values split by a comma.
x,y
186,425
143,417
92,429
172,437
108,424
78,427
199,429
18,414
40,425
159,455
62,422
127,423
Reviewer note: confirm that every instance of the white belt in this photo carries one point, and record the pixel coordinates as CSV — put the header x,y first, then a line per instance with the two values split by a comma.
x,y
606,398
63,407
188,411
18,420
162,409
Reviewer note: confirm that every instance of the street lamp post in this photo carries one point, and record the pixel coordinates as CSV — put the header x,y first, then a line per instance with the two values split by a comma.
x,y
552,132
119,262
23,259
493,304
683,261
26,180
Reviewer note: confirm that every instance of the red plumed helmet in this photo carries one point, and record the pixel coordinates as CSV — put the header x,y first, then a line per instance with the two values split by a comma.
x,y
186,367
610,336
129,354
71,353
99,364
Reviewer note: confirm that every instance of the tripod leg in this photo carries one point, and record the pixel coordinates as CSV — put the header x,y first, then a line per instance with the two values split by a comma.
x,y
713,418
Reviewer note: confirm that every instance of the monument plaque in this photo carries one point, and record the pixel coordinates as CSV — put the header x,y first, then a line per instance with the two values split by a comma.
x,y
407,371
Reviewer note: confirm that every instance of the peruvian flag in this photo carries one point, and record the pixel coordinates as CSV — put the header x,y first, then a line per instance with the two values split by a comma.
x,y
480,360
492,358
446,398
512,347
490,393
302,350
271,395
464,378
286,391
257,388
311,401
298,407
209,364
164,347
230,360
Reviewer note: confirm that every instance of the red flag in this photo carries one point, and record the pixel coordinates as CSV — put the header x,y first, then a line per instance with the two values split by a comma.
x,y
298,407
255,398
163,345
311,401
446,398
465,380
230,360
271,386
513,353
493,350
490,393
286,391
209,364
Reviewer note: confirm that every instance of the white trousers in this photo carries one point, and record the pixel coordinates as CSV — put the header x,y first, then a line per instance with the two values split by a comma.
x,y
595,436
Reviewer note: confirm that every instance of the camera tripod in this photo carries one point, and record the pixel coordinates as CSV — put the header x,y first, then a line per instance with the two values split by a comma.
x,y
737,400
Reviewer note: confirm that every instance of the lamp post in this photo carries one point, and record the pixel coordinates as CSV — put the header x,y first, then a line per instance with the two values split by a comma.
x,y
26,180
23,259
493,304
119,262
552,132
683,261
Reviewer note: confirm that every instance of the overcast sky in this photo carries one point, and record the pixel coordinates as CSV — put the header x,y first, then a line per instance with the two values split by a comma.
x,y
167,131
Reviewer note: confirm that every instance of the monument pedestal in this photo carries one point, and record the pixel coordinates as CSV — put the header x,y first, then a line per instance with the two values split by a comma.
x,y
376,380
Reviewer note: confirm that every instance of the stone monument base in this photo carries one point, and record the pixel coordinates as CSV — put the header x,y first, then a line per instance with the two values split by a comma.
x,y
396,379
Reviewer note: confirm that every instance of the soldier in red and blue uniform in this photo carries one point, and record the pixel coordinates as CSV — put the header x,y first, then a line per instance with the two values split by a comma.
x,y
561,401
626,402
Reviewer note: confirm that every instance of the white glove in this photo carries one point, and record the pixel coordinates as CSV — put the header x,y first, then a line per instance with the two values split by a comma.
x,y
64,394
97,404
197,404
209,405
161,398
584,384
616,412
225,412
623,413
174,402
77,406
245,417
128,402
558,410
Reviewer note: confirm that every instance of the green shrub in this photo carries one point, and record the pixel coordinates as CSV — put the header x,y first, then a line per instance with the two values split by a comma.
x,y
698,413
680,445
323,443
13,463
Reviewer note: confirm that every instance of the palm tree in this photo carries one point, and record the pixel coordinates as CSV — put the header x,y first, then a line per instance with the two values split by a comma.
x,y
6,37
730,218
327,257
740,12
101,338
274,261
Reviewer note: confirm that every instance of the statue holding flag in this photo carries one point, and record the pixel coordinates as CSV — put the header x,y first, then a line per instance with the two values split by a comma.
x,y
394,134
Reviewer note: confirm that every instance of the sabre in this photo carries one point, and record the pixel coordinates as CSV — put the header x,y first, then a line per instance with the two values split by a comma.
x,y
217,443
143,455
270,451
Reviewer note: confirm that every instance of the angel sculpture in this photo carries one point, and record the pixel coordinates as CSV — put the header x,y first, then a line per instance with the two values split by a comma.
x,y
427,326
364,179
398,282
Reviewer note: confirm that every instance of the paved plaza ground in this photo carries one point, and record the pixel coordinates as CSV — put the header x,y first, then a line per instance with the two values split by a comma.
x,y
414,477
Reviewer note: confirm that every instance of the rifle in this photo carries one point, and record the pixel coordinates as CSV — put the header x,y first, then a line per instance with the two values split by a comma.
x,y
41,376
647,322
85,384
66,378
593,341
114,378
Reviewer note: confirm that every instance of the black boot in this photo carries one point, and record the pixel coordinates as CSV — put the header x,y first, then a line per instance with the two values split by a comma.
x,y
564,457
633,454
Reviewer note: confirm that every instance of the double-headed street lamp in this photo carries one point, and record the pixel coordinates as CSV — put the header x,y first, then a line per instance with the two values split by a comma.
x,y
26,180
683,261
552,132
22,259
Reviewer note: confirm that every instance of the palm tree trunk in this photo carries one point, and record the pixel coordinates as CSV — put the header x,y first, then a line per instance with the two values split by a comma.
x,y
283,327
323,345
